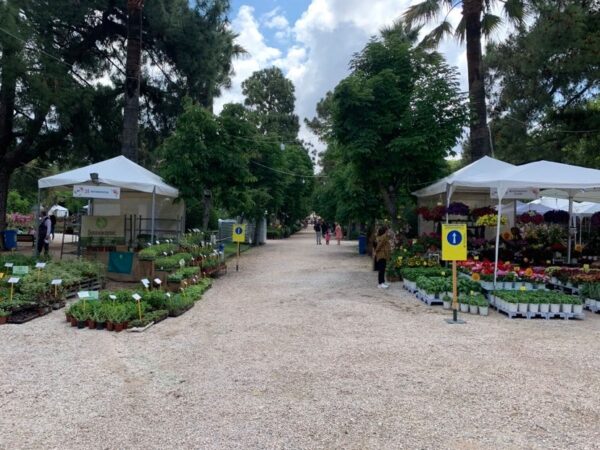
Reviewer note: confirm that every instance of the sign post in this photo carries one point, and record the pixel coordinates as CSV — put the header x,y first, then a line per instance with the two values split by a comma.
x,y
239,236
454,248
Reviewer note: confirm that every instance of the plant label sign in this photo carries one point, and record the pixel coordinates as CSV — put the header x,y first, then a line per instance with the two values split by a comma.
x,y
40,265
146,283
168,294
136,297
94,295
454,242
158,281
13,280
56,282
83,295
112,297
182,262
20,270
165,254
8,265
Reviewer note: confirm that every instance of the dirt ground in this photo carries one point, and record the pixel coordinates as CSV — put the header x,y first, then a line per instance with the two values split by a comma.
x,y
299,349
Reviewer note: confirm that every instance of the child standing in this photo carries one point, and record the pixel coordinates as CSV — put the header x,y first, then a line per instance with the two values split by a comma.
x,y
338,233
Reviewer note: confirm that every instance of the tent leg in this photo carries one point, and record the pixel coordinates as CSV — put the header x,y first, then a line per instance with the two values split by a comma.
x,y
39,211
153,214
497,250
570,241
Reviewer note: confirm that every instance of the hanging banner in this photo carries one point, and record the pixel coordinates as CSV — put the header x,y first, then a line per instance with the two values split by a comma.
x,y
102,227
516,194
87,191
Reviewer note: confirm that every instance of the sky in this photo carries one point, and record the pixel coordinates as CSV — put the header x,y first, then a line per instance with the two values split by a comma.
x,y
312,41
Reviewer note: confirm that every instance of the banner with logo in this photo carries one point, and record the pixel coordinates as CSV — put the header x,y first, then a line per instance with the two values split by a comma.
x,y
87,191
103,229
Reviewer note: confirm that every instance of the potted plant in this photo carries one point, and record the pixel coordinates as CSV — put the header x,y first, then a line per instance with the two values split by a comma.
x,y
3,316
523,304
473,304
534,304
447,301
567,306
99,317
81,317
555,302
483,306
464,304
511,303
577,306
544,304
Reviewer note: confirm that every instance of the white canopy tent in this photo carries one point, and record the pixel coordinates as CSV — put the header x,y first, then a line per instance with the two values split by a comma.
x,y
118,172
58,211
571,181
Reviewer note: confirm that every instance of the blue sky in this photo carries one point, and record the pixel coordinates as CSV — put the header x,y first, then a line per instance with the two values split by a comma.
x,y
312,41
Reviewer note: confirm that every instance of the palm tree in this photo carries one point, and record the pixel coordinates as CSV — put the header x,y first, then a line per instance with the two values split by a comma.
x,y
477,20
129,144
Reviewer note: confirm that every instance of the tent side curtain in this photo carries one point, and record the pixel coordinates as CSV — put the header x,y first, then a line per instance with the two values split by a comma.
x,y
119,171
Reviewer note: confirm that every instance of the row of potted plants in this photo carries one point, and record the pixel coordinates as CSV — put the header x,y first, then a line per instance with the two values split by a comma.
x,y
472,303
538,302
118,310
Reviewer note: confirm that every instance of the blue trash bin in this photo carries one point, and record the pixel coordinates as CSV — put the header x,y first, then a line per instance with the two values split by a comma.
x,y
362,245
10,239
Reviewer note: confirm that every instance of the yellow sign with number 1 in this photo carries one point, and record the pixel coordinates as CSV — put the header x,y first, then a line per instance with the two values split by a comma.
x,y
454,242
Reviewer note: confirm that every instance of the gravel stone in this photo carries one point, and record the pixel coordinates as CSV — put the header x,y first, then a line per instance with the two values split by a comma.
x,y
299,349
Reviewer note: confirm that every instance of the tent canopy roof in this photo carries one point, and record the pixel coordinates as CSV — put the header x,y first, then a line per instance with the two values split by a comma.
x,y
537,175
118,171
484,167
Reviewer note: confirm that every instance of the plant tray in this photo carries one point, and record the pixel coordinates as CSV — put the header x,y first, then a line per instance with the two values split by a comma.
x,y
429,299
542,315
23,316
181,311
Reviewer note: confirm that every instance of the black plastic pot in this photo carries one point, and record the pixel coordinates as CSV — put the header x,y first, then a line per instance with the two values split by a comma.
x,y
100,325
81,324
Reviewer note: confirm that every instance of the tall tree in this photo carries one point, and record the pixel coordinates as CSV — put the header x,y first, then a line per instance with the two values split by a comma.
x,y
270,96
397,116
545,80
131,112
477,21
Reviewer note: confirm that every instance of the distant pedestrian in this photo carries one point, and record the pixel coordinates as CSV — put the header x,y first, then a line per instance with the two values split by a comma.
x,y
324,228
338,233
53,223
43,235
317,229
327,236
383,253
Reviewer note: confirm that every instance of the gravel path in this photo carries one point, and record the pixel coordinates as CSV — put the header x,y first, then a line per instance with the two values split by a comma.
x,y
301,350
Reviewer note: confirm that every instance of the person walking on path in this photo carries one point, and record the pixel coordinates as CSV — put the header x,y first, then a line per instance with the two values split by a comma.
x,y
338,233
317,229
383,252
327,236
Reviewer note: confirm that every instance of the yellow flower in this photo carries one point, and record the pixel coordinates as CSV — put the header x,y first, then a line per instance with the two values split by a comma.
x,y
475,276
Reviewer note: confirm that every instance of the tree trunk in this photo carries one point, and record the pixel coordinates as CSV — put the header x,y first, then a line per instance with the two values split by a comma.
x,y
129,145
4,179
479,136
8,86
390,201
207,202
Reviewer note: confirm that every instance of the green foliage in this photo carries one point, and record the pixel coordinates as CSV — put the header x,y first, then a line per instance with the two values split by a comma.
x,y
182,274
545,86
391,123
16,203
270,97
171,262
152,252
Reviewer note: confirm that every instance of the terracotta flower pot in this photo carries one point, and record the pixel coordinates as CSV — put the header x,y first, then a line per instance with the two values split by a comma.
x,y
73,322
68,317
118,327
3,320
110,326
91,324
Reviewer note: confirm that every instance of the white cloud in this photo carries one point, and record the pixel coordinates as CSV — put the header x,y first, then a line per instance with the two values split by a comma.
x,y
319,46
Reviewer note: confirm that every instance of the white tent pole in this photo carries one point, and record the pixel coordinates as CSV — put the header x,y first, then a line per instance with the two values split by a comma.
x,y
497,238
153,214
570,243
448,195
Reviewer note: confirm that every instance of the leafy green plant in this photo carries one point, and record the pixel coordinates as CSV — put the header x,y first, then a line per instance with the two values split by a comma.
x,y
4,313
